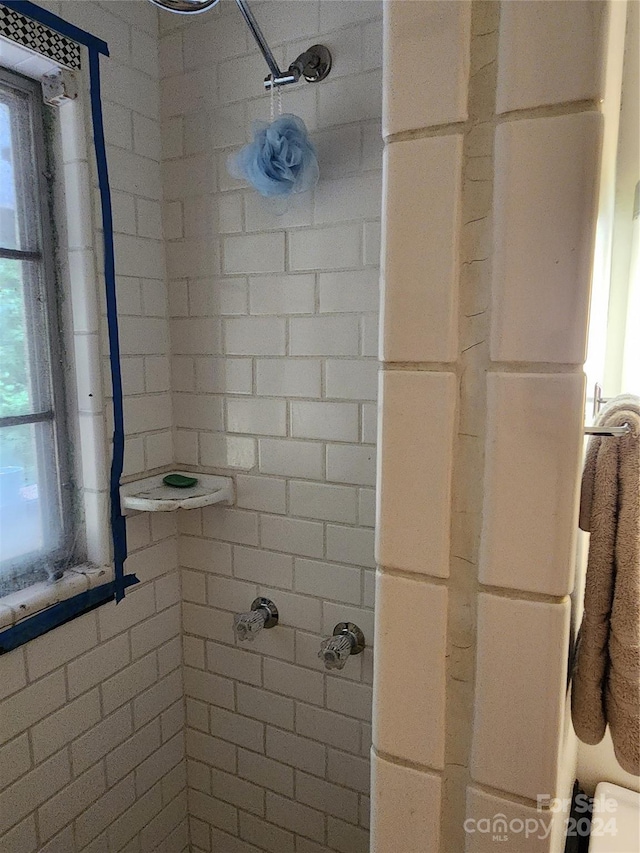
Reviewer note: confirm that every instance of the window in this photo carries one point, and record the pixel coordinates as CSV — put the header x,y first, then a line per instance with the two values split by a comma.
x,y
35,512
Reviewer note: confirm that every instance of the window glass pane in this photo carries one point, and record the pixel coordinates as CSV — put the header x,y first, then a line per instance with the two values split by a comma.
x,y
25,385
29,509
18,201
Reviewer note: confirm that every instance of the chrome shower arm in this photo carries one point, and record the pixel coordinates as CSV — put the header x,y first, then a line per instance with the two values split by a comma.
x,y
256,32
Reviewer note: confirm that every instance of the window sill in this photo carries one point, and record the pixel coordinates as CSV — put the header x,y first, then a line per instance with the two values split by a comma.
x,y
17,606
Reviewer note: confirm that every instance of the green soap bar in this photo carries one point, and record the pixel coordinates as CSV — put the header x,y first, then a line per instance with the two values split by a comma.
x,y
179,482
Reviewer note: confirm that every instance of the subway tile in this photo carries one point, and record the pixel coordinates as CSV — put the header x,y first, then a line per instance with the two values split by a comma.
x,y
233,525
104,811
369,423
124,758
405,804
369,335
15,759
348,99
321,501
161,762
329,421
70,802
71,640
261,493
265,706
268,836
415,471
288,377
522,644
324,335
366,507
290,294
259,417
421,249
157,698
211,750
350,463
328,727
538,65
236,729
414,730
293,535
100,740
533,456
129,682
351,291
31,704
295,817
239,664
352,380
32,790
217,296
207,622
293,681
255,336
262,567
336,247
265,772
230,593
22,837
227,451
214,812
437,91
237,791
254,253
65,725
291,458
195,336
350,545
347,198
349,698
198,411
222,375
348,771
205,555
326,797
347,838
542,253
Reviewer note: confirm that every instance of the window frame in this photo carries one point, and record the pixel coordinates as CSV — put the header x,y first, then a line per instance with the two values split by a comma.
x,y
57,477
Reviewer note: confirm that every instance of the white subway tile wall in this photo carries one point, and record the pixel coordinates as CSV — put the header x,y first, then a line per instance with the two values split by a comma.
x,y
289,411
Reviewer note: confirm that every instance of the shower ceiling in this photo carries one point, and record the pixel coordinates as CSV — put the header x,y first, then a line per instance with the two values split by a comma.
x,y
314,64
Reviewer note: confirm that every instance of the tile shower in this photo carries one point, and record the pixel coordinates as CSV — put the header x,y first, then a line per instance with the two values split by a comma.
x,y
274,378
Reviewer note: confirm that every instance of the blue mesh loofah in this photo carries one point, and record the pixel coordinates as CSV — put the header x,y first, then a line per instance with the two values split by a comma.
x,y
280,161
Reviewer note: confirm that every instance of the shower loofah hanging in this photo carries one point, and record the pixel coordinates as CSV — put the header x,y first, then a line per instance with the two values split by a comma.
x,y
280,160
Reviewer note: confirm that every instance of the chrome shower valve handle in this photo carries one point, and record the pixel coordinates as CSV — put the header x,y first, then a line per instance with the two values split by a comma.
x,y
263,614
347,640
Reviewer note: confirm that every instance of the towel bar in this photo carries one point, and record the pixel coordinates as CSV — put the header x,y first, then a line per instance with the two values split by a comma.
x,y
625,429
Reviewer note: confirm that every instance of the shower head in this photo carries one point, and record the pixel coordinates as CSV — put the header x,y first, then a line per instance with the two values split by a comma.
x,y
185,7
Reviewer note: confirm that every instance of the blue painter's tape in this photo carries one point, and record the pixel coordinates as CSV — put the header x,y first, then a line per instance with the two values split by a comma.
x,y
96,47
58,24
57,615
118,524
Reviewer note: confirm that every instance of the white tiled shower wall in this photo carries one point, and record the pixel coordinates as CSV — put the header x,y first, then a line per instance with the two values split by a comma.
x,y
274,336
92,714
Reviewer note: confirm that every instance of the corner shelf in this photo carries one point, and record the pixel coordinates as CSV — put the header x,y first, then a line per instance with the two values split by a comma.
x,y
152,495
